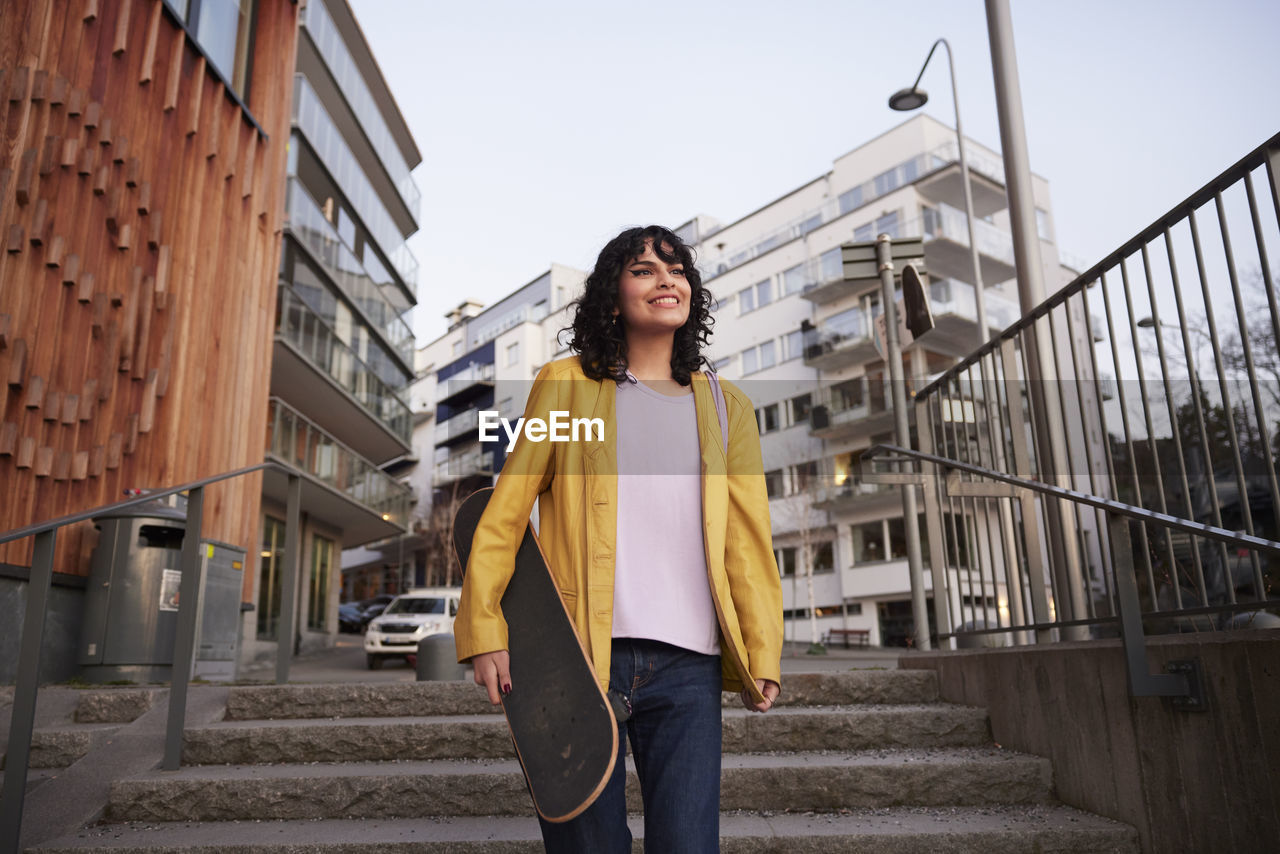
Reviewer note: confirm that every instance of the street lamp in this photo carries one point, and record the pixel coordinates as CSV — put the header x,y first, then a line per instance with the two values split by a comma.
x,y
905,100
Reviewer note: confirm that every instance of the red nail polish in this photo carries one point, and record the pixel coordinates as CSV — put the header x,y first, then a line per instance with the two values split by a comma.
x,y
506,688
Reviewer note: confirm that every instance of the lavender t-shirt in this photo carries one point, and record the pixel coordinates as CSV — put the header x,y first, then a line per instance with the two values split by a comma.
x,y
660,586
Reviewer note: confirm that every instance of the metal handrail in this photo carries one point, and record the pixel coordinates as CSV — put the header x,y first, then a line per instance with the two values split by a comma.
x,y
22,716
1175,214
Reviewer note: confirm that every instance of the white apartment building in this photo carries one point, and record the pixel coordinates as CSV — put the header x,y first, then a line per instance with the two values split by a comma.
x,y
798,340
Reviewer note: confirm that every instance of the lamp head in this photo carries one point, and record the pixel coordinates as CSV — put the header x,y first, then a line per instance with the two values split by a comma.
x,y
1147,323
905,100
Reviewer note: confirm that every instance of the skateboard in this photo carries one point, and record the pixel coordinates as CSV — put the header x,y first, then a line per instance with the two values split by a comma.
x,y
562,724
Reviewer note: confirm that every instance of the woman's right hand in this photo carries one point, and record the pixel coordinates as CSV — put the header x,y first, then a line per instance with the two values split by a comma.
x,y
493,671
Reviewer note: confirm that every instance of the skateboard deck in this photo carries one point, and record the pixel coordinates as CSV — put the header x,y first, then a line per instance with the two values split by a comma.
x,y
565,733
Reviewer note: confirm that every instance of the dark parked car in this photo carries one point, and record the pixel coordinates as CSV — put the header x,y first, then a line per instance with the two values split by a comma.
x,y
351,618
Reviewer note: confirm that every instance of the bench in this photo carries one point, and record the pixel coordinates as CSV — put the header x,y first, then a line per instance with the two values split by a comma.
x,y
861,636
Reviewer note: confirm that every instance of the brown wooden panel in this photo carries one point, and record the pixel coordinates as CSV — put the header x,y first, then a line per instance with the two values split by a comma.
x,y
90,11
147,417
88,398
70,408
8,439
97,460
43,465
61,465
35,393
49,155
142,341
173,83
51,407
26,176
40,85
70,151
16,236
149,47
155,224
122,28
104,132
195,97
39,222
53,257
85,161
58,92
71,269
131,172
26,452
6,326
19,80
115,450
80,465
143,202
120,150
18,364
92,114
75,102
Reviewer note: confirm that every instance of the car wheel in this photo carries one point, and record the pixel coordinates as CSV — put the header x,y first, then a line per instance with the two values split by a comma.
x,y
374,661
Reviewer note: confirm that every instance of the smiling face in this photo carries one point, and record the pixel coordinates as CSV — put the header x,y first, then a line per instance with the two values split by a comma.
x,y
653,295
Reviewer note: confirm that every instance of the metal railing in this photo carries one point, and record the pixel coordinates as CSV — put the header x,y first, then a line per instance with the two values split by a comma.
x,y
1147,500
22,716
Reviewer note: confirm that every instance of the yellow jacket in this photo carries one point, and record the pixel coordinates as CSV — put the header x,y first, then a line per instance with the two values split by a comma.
x,y
576,486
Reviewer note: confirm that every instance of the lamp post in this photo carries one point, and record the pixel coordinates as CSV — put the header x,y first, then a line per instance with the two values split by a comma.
x,y
905,100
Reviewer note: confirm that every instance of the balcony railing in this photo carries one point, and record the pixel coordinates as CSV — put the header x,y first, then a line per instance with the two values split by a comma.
x,y
338,260
840,340
947,222
454,386
954,297
317,22
828,492
447,431
308,333
297,442
318,127
465,465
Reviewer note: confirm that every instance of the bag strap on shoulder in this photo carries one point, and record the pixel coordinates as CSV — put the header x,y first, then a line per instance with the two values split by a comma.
x,y
717,394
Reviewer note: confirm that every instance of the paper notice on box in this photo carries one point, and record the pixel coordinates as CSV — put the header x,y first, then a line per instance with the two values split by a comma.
x,y
169,585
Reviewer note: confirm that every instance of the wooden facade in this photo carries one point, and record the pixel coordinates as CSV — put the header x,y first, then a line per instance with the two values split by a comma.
x,y
140,214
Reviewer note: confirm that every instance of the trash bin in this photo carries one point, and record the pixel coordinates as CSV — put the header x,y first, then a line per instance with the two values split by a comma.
x,y
218,629
438,661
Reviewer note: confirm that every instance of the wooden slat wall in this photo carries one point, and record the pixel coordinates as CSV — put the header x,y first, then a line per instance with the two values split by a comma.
x,y
140,218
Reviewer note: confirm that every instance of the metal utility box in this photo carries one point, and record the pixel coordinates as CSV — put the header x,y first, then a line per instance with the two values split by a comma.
x,y
131,602
218,632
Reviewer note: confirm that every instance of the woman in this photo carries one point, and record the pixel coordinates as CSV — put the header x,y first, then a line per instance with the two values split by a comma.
x,y
657,536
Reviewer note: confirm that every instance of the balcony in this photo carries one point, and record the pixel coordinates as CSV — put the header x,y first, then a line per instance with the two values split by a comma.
x,y
839,341
852,495
458,388
372,290
312,364
944,184
857,407
464,425
474,463
955,316
339,487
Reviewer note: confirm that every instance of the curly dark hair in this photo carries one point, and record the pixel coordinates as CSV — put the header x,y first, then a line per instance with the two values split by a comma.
x,y
600,342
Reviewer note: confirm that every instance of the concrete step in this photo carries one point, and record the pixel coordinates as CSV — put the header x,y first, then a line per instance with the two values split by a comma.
x,y
60,747
409,699
486,736
825,781
905,830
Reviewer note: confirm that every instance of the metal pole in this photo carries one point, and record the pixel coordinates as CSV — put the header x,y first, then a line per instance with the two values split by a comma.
x,y
911,523
184,646
980,297
289,595
1051,443
22,716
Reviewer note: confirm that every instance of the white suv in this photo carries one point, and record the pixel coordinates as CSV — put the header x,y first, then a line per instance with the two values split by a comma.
x,y
408,619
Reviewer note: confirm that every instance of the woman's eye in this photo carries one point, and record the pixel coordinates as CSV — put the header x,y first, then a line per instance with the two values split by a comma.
x,y
678,271
640,272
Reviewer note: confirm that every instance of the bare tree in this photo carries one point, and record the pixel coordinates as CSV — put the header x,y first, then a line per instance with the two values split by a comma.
x,y
436,530
796,515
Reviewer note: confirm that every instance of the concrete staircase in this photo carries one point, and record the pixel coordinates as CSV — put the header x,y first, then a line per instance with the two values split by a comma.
x,y
851,762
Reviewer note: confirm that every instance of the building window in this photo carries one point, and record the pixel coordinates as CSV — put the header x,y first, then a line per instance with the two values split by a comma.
x,y
863,233
931,219
223,30
804,475
810,224
787,561
750,361
768,354
270,575
850,199
886,181
888,224
800,407
720,364
321,568
853,609
868,542
768,418
1042,225
897,539
793,280
773,483
746,300
513,353
792,345
831,265
764,293
824,559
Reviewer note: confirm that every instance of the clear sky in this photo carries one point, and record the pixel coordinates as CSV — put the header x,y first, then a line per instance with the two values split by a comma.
x,y
545,128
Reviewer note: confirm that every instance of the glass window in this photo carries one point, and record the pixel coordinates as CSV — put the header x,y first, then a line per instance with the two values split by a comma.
x,y
910,170
270,575
416,605
805,474
769,418
868,542
750,363
768,243
318,592
746,300
932,221
831,263
810,224
764,293
800,407
863,233
886,181
888,224
786,561
792,345
854,609
850,199
897,538
773,483
513,353
824,557
223,32
793,279
720,364
768,355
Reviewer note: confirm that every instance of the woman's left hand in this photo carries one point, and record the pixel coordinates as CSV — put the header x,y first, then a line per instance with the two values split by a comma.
x,y
769,688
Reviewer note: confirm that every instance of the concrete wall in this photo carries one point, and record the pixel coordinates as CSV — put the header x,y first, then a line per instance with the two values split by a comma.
x,y
1188,781
61,625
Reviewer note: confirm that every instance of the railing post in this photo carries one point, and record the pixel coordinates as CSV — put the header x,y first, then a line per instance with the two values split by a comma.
x,y
184,645
22,717
933,524
286,626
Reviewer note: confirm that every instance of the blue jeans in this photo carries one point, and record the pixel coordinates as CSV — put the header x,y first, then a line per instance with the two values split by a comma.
x,y
675,741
